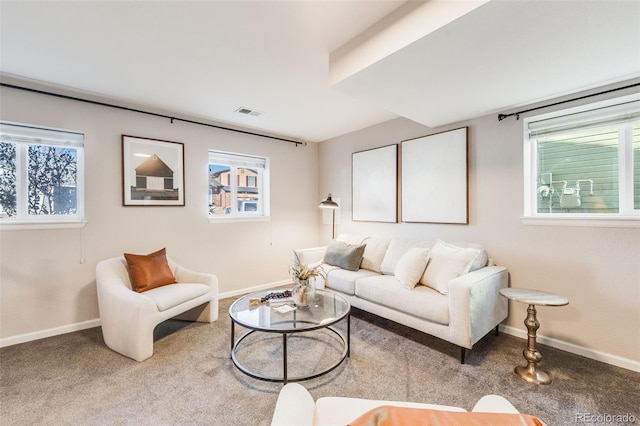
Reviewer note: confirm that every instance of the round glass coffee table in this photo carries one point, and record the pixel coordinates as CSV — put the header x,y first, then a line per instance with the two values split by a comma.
x,y
326,309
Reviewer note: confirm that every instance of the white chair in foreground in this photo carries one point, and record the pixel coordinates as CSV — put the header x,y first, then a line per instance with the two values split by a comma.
x,y
128,318
296,407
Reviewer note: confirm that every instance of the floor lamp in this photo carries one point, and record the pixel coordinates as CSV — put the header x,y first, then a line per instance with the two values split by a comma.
x,y
328,203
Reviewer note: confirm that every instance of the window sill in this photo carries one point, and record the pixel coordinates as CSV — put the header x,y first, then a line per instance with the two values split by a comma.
x,y
40,225
574,220
237,219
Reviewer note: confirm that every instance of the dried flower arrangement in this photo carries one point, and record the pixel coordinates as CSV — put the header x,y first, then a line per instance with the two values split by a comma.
x,y
303,272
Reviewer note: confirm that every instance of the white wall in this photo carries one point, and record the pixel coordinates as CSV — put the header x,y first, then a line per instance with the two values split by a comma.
x,y
597,269
43,285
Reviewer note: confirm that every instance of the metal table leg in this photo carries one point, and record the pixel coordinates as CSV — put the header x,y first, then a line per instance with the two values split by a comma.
x,y
284,358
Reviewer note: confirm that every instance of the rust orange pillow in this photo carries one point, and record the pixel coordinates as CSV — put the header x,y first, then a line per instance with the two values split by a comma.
x,y
387,415
149,271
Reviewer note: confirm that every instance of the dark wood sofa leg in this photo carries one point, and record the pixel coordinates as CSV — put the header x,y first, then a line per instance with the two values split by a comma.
x,y
497,332
463,351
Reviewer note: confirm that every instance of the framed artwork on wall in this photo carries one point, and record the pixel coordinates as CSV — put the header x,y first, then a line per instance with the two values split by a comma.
x,y
375,184
434,178
152,172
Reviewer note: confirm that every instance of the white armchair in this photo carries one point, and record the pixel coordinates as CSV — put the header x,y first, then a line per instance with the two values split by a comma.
x,y
128,318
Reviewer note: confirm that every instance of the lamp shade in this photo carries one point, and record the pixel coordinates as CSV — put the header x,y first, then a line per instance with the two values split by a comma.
x,y
328,203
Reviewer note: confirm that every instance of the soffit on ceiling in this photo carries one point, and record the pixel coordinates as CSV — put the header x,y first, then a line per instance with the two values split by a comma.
x,y
501,55
206,59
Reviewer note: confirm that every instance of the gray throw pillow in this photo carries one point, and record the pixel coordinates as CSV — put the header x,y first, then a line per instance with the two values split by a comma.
x,y
345,256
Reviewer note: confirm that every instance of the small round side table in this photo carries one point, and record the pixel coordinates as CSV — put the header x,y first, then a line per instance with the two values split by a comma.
x,y
530,372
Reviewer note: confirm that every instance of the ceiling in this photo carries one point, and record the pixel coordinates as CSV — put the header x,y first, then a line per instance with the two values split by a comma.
x,y
319,69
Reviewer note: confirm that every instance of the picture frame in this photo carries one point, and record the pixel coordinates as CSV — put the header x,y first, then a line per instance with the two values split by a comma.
x,y
152,172
375,185
434,176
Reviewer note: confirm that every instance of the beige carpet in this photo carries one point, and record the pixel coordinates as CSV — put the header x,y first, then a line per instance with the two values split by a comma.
x,y
74,379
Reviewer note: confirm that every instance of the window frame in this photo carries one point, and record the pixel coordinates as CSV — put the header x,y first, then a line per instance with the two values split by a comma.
x,y
25,135
627,217
236,161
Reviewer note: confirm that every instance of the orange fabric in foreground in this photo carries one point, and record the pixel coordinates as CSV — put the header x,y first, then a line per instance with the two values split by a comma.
x,y
387,415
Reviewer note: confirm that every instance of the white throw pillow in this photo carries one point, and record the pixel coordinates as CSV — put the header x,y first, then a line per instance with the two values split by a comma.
x,y
374,253
397,248
446,263
480,261
411,266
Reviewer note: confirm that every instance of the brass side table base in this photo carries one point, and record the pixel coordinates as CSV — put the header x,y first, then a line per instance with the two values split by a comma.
x,y
532,375
530,372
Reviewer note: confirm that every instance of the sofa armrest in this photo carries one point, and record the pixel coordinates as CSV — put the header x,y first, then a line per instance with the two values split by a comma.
x,y
295,407
115,299
475,304
310,256
184,275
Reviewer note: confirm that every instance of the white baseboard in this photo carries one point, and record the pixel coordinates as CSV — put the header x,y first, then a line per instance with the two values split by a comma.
x,y
252,289
36,335
618,361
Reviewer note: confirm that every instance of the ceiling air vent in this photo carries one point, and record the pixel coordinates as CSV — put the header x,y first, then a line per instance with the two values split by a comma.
x,y
247,111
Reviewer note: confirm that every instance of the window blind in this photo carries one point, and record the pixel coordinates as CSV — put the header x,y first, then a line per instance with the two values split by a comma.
x,y
599,117
10,132
237,160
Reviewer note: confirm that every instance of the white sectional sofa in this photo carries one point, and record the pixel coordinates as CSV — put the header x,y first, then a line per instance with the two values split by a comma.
x,y
296,407
450,291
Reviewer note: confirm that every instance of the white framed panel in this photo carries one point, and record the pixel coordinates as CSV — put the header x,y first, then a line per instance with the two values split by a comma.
x,y
434,178
375,184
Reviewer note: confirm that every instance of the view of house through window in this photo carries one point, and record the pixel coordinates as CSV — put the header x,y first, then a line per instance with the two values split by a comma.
x,y
585,161
41,173
238,185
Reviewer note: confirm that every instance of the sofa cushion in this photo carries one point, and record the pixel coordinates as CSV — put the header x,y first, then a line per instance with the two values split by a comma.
x,y
422,302
397,248
411,266
447,262
149,271
374,252
168,296
346,256
345,281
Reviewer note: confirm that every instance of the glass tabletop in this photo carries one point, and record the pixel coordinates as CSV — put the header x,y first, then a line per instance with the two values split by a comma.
x,y
326,308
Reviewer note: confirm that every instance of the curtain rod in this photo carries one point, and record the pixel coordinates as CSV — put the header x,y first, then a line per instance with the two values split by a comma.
x,y
89,101
517,114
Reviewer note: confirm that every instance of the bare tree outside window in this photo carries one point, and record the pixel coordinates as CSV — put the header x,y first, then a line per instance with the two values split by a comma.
x,y
41,176
52,175
7,179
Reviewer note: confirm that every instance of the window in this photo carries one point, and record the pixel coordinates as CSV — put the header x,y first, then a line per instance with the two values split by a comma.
x,y
238,185
584,163
41,175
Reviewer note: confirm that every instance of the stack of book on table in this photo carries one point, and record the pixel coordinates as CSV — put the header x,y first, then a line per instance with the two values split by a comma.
x,y
279,299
